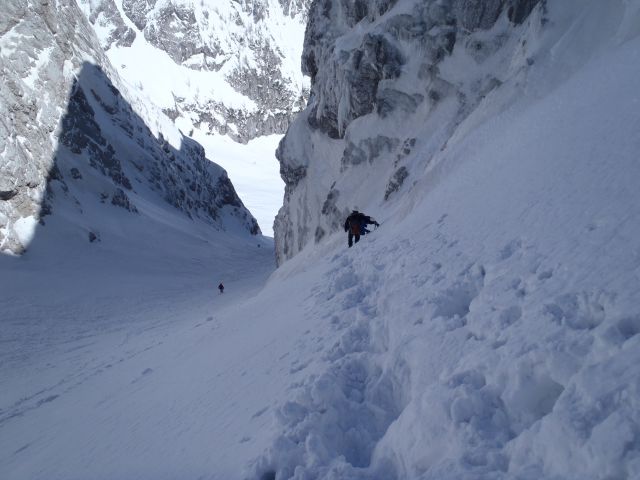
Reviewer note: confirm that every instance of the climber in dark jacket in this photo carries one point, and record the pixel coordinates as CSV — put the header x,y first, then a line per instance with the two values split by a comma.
x,y
356,224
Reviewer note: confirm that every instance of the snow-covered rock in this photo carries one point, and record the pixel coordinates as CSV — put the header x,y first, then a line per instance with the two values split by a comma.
x,y
228,67
384,74
71,137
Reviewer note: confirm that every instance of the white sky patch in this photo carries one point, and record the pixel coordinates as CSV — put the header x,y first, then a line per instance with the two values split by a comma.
x,y
253,170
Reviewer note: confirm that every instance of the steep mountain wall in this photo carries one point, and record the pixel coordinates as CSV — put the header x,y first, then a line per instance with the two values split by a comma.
x,y
388,78
231,67
490,328
69,136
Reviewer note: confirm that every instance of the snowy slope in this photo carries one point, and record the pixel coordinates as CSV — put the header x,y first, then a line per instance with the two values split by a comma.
x,y
493,332
489,329
253,169
499,320
86,328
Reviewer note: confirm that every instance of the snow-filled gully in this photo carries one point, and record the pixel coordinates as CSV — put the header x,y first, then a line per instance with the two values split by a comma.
x,y
412,344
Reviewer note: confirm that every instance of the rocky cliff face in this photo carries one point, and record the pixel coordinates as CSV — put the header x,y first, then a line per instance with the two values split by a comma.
x,y
252,46
388,77
69,136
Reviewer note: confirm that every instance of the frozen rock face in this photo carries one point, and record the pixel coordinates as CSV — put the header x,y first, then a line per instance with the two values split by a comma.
x,y
384,73
250,45
172,28
36,71
71,139
105,16
183,178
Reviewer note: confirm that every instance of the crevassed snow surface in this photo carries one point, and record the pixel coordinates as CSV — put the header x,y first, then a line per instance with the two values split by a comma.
x,y
491,332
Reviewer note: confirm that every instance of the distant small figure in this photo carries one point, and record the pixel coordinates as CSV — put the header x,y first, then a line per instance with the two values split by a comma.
x,y
356,224
221,288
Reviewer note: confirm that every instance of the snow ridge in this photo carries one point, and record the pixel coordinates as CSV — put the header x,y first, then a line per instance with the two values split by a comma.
x,y
435,355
